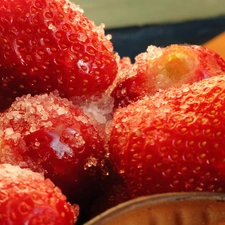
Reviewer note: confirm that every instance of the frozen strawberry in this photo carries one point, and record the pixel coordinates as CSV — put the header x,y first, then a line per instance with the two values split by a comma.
x,y
172,141
27,197
50,44
161,68
49,134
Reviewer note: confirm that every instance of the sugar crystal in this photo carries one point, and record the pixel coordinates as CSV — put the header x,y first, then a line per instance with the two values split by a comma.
x,y
91,161
51,27
59,147
9,131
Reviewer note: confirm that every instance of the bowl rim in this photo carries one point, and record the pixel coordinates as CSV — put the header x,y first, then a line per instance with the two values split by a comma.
x,y
154,199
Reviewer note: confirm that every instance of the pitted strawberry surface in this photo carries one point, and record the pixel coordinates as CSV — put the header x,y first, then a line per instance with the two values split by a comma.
x,y
47,45
28,198
172,141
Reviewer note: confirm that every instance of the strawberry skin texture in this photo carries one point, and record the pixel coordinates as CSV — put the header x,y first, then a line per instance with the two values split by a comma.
x,y
161,68
50,135
27,198
172,141
47,45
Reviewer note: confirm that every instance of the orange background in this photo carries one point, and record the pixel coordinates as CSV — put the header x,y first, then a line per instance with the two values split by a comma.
x,y
217,44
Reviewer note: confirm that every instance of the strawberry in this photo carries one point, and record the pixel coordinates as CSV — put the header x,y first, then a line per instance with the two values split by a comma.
x,y
27,198
50,135
172,141
161,68
49,44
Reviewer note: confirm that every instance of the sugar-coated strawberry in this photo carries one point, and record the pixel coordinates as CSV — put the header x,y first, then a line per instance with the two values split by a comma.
x,y
50,44
160,68
49,134
27,197
172,141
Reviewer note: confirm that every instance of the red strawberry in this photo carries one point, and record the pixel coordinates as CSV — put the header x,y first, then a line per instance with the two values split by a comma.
x,y
27,198
160,68
49,134
50,44
172,141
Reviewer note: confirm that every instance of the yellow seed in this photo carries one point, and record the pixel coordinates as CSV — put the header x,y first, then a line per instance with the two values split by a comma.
x,y
163,148
174,156
178,142
168,171
203,144
216,145
41,53
212,160
158,165
218,133
54,49
148,156
184,130
202,156
189,120
215,121
197,131
84,68
91,51
86,58
190,180
198,168
183,169
175,182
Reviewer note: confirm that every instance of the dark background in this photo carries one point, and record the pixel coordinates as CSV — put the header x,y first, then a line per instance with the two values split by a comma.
x,y
134,40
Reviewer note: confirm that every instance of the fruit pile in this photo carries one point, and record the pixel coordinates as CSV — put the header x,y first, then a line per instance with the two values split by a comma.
x,y
82,129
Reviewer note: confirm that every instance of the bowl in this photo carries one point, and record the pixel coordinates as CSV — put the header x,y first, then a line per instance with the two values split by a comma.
x,y
189,208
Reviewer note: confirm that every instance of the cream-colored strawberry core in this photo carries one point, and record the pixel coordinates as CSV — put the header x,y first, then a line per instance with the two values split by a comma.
x,y
176,66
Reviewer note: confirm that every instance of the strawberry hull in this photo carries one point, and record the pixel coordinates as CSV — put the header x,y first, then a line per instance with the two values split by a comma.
x,y
173,141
